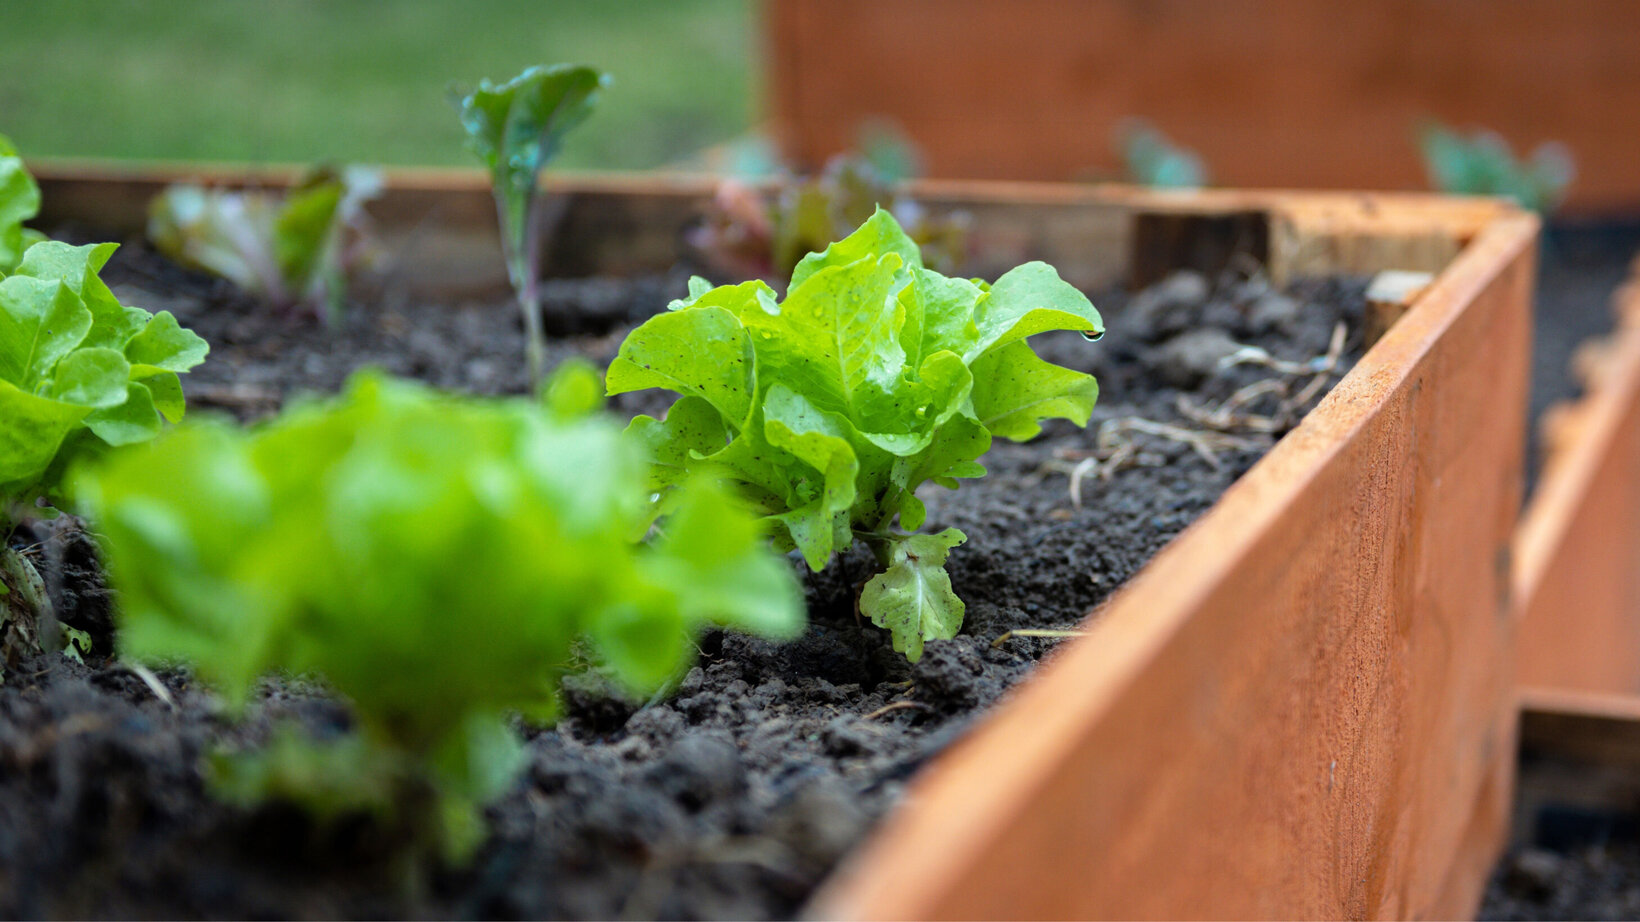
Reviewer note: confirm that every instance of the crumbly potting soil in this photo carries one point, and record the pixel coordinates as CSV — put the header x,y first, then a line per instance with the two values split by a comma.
x,y
735,797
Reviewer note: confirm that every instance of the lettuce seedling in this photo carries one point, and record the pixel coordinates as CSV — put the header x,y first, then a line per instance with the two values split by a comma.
x,y
831,407
746,236
1151,159
292,248
1481,163
439,561
78,372
19,202
516,128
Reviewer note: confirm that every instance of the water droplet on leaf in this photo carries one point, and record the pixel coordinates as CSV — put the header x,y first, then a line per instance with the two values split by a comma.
x,y
1093,336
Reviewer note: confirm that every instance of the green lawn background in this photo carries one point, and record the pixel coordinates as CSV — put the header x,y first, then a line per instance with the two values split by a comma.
x,y
281,81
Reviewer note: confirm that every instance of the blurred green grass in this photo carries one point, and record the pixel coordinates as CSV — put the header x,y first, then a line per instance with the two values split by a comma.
x,y
361,80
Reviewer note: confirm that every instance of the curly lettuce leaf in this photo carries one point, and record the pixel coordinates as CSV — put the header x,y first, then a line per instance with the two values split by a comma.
x,y
913,598
73,357
873,376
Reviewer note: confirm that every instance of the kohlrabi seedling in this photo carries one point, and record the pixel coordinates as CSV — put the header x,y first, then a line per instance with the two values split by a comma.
x,y
1481,163
516,128
291,248
79,372
831,407
440,561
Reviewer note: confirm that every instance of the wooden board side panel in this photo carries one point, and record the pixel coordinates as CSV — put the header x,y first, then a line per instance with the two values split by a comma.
x,y
1579,544
1323,753
437,227
1273,93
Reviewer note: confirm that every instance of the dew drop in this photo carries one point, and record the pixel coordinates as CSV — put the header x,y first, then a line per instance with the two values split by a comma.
x,y
1093,336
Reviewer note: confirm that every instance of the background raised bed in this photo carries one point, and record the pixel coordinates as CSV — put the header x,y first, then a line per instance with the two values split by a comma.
x,y
1273,93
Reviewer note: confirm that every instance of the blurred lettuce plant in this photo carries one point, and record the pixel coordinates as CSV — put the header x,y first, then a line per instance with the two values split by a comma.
x,y
1482,163
291,248
441,561
19,202
750,234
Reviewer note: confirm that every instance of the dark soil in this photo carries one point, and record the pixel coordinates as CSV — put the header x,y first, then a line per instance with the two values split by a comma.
x,y
1576,853
732,799
1596,878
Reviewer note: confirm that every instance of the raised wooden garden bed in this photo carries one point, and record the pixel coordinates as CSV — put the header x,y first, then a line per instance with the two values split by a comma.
x,y
1578,584
1272,93
1304,705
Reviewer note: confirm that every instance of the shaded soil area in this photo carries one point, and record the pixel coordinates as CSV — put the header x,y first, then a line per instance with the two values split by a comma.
x,y
1597,878
1576,849
738,795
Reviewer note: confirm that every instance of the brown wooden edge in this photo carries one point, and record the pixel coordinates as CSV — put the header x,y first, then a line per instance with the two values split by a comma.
x,y
438,225
1578,581
1303,707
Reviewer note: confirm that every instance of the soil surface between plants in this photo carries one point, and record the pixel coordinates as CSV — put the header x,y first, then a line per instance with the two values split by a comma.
x,y
734,798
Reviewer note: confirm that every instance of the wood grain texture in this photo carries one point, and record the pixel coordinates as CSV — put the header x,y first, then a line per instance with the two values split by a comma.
x,y
1303,707
1578,583
1272,93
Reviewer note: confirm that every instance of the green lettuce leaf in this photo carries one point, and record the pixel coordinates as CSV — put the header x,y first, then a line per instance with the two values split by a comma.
x,y
73,356
872,377
913,597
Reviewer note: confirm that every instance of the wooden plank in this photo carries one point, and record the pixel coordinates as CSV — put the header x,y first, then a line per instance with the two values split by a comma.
x,y
439,225
1272,93
1303,706
1578,580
